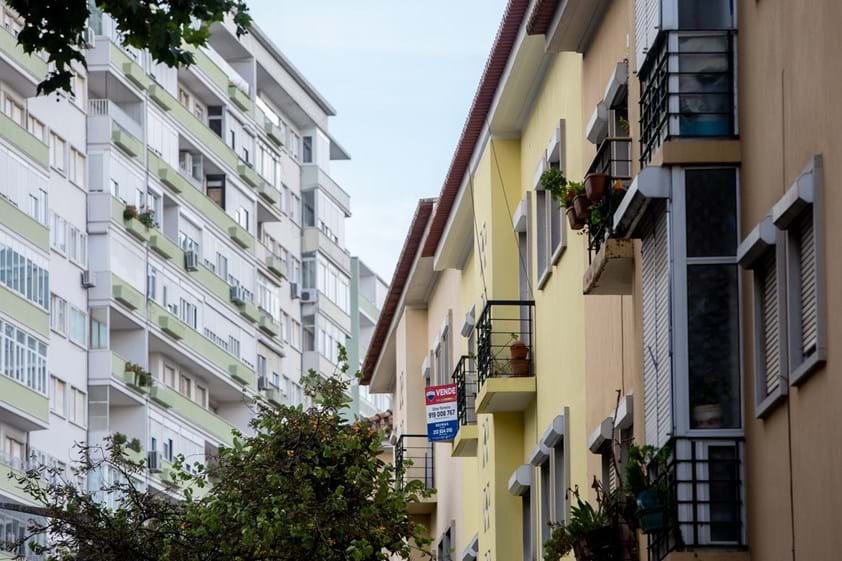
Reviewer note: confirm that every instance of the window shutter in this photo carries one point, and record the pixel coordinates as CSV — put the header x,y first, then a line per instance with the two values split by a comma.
x,y
657,371
647,21
771,323
807,276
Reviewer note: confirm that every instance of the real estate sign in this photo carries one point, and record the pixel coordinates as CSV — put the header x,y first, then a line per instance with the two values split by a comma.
x,y
442,420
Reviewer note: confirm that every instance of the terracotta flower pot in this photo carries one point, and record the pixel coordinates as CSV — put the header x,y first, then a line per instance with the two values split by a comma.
x,y
519,350
596,185
573,219
582,204
519,367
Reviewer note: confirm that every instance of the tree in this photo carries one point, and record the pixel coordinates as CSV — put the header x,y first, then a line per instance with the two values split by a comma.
x,y
307,485
168,29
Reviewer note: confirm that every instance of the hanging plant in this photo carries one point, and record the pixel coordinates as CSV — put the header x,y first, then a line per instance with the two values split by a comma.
x,y
554,183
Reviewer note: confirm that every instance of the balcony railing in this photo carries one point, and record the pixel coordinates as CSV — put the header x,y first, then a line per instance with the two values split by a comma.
x,y
706,496
613,160
503,330
465,377
687,89
414,460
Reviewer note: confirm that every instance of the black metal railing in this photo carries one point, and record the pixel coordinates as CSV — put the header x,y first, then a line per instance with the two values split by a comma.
x,y
503,330
687,88
414,460
465,378
613,159
706,496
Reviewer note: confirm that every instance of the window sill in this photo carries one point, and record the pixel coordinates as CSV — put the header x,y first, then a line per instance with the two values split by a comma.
x,y
559,251
75,424
767,405
545,276
807,367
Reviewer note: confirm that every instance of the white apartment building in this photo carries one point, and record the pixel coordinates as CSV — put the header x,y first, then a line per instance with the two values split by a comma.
x,y
368,294
172,246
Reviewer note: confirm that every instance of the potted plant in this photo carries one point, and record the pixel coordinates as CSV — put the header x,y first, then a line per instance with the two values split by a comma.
x,y
147,217
572,190
519,352
554,183
581,203
129,212
596,186
623,126
592,534
644,466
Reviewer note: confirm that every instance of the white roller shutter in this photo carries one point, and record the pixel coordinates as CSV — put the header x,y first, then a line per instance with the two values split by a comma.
x,y
807,275
657,364
647,22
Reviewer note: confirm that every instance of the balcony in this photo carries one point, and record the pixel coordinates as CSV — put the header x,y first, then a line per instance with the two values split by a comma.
x,y
705,510
268,325
22,223
119,372
16,306
166,248
32,68
193,412
23,141
465,377
505,364
314,239
312,176
110,123
608,178
414,461
271,261
127,295
687,92
22,406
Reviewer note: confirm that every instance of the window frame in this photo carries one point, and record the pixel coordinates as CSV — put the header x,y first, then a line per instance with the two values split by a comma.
x,y
804,196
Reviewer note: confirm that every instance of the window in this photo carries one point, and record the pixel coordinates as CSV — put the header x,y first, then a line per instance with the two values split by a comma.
x,y
15,450
216,189
78,407
57,396
242,217
295,208
169,376
187,313
14,109
79,90
58,314
23,358
307,149
77,246
24,272
77,325
58,234
77,168
200,396
37,129
168,449
58,154
799,215
185,386
99,328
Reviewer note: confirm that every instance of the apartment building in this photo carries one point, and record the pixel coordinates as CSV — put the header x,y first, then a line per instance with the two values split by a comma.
x,y
692,311
173,247
368,292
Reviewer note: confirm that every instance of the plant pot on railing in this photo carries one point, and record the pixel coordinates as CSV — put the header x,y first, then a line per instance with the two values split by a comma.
x,y
582,206
519,361
573,219
651,511
596,185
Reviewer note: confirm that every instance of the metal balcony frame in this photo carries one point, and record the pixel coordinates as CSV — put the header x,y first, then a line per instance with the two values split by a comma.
x,y
406,461
488,348
465,378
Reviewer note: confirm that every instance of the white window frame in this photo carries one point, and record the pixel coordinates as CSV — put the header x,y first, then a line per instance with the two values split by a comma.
x,y
678,273
804,196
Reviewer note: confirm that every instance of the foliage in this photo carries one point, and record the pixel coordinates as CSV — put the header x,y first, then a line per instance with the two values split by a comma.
x,y
554,183
147,217
130,212
143,377
167,29
643,465
584,521
307,485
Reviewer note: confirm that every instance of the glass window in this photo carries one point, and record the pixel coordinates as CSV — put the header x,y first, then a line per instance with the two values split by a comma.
x,y
711,212
57,396
705,15
78,323
99,328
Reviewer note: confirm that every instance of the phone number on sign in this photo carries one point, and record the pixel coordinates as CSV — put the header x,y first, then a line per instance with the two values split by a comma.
x,y
441,414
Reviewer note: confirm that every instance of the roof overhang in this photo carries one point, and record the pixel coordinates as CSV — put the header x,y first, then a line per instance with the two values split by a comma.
x,y
573,24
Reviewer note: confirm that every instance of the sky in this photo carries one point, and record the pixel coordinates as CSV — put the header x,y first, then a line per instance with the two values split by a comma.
x,y
401,75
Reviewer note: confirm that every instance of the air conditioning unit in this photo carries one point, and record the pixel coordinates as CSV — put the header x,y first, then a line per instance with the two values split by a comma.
x,y
88,279
238,294
262,383
293,290
308,295
191,261
153,461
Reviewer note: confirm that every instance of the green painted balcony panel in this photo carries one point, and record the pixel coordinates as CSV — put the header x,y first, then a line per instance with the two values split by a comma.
x,y
162,97
24,225
242,374
16,306
249,175
206,349
164,247
21,139
20,398
273,395
10,487
240,236
268,325
240,98
172,326
213,283
136,229
249,311
136,75
32,64
214,73
194,413
126,294
172,179
131,379
126,142
274,132
269,193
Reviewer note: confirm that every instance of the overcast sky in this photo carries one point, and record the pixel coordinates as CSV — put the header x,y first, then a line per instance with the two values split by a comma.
x,y
401,75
